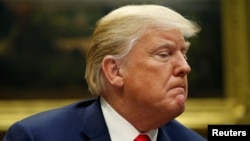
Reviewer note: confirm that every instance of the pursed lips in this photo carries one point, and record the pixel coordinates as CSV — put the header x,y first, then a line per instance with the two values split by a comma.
x,y
180,89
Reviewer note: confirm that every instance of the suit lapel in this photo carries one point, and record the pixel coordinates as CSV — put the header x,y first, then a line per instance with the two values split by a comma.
x,y
163,135
94,126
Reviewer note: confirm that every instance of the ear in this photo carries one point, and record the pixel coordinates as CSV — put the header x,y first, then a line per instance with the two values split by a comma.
x,y
112,71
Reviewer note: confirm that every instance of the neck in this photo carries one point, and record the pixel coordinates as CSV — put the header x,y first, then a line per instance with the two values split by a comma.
x,y
140,118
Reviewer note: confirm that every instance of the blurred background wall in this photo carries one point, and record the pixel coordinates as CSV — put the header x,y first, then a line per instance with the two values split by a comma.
x,y
43,44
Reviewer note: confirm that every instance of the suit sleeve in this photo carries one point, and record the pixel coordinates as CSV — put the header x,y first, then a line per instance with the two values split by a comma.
x,y
18,132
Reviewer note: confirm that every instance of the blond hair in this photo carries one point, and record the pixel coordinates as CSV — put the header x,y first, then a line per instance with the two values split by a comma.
x,y
116,33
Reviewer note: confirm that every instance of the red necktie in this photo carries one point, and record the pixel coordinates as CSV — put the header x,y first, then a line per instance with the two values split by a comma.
x,y
142,137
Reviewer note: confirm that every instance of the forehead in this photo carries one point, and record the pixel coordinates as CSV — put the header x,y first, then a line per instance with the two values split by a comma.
x,y
157,36
170,34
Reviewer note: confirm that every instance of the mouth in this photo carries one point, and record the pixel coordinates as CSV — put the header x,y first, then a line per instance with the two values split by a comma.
x,y
180,95
178,90
180,87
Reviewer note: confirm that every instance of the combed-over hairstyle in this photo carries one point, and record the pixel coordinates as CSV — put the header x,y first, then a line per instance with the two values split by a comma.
x,y
116,33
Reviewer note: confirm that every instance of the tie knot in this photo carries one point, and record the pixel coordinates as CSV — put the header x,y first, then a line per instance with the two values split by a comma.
x,y
142,137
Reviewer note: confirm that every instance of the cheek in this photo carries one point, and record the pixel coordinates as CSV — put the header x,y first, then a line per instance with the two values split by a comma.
x,y
147,73
159,76
158,81
151,80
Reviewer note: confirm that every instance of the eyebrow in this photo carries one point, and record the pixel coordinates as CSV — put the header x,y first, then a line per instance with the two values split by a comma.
x,y
166,43
171,45
161,45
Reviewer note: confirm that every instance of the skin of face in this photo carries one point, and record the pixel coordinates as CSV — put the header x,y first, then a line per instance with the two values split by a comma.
x,y
154,83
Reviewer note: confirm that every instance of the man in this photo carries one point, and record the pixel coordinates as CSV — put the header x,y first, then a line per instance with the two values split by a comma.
x,y
137,68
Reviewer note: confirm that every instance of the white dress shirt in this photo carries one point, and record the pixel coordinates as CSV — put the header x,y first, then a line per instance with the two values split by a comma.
x,y
119,128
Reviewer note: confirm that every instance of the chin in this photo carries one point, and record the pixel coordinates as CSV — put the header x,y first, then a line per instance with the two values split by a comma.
x,y
181,110
181,101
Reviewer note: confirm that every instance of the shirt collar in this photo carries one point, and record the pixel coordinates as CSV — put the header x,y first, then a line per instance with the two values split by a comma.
x,y
119,128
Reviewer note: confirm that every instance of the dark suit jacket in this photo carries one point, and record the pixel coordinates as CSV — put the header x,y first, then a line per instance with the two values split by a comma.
x,y
82,121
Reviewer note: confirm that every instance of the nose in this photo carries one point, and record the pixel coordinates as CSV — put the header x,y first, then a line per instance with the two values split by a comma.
x,y
182,68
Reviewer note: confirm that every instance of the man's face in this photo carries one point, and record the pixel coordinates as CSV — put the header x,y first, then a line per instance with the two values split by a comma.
x,y
155,73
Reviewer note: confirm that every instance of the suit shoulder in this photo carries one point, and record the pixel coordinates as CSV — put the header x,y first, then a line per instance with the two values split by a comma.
x,y
55,117
55,122
64,111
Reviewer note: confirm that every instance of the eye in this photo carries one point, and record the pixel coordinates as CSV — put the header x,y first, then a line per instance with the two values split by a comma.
x,y
164,54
